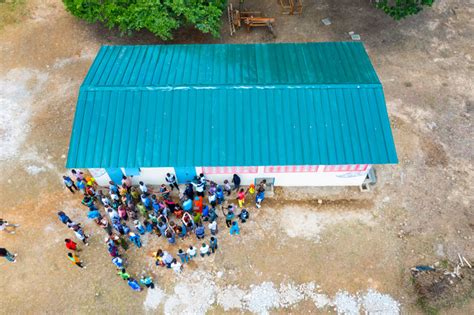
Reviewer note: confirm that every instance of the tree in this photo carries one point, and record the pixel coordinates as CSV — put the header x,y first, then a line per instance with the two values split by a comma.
x,y
399,9
161,17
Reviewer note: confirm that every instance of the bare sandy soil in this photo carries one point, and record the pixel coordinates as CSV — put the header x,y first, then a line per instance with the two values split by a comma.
x,y
420,211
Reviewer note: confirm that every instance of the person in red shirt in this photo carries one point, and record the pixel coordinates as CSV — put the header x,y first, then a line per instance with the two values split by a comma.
x,y
70,244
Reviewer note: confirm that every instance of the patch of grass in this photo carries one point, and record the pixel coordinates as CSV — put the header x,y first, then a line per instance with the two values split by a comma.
x,y
426,307
11,11
444,263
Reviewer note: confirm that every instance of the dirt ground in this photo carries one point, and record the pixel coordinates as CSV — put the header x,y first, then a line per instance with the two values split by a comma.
x,y
420,211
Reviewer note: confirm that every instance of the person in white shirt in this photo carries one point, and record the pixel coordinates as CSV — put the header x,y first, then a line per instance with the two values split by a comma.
x,y
213,227
176,266
204,250
191,252
143,188
171,180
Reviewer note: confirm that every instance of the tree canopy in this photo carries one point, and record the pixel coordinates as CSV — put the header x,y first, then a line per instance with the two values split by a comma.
x,y
399,9
161,17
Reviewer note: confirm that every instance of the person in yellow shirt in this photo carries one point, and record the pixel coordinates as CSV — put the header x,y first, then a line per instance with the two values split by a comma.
x,y
75,260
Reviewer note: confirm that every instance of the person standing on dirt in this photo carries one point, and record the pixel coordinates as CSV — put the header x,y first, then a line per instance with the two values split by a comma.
x,y
132,283
260,193
183,256
236,182
81,184
127,181
75,260
213,244
7,227
191,252
69,183
241,197
71,245
147,282
123,274
200,186
176,266
8,256
204,250
227,188
63,217
79,232
228,218
213,227
171,180
135,239
234,229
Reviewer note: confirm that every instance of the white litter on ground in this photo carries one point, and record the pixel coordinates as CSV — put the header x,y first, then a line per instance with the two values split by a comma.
x,y
262,298
197,292
301,222
346,304
154,297
18,87
377,303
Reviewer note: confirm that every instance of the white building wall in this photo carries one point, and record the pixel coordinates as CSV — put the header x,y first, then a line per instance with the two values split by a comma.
x,y
156,176
153,176
319,178
100,175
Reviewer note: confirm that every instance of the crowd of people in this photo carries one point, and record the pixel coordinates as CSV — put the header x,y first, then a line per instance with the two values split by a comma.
x,y
129,212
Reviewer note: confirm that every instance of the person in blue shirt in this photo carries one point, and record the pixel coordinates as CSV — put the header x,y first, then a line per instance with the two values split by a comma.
x,y
118,262
200,232
162,227
213,244
135,239
146,201
228,218
139,227
125,227
134,284
187,205
260,193
170,236
155,203
219,195
113,188
183,255
234,229
148,226
63,217
69,183
212,215
81,184
205,213
147,282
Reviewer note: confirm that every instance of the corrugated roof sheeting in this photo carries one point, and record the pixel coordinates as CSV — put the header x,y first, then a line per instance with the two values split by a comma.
x,y
175,65
225,105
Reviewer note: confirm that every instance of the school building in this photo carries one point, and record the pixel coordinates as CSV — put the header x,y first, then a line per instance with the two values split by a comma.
x,y
306,114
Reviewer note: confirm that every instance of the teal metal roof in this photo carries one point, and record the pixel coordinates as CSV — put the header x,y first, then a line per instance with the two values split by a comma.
x,y
231,105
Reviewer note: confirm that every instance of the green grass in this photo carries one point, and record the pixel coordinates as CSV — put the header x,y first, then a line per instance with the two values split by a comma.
x,y
426,308
11,11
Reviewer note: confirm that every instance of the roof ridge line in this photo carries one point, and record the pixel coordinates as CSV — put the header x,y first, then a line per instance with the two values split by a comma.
x,y
226,86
